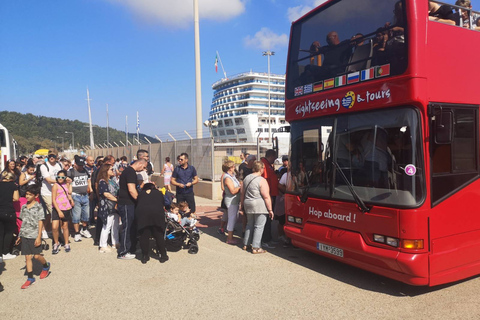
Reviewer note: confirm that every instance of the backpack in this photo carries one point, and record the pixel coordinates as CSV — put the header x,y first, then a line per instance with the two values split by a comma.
x,y
38,172
149,168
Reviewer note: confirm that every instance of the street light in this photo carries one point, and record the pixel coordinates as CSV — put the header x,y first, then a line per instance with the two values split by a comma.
x,y
63,147
269,54
211,124
73,139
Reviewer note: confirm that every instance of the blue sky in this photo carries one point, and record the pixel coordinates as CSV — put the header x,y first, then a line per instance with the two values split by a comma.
x,y
134,55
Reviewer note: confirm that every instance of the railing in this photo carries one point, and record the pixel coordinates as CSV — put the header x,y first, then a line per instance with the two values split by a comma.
x,y
199,153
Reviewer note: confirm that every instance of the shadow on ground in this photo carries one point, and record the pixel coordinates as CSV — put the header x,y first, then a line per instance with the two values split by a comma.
x,y
342,272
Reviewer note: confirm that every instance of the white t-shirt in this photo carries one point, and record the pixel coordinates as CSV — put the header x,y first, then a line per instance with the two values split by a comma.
x,y
142,176
173,216
283,179
51,172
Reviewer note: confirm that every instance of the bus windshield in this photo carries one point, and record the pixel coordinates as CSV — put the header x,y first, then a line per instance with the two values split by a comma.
x,y
338,42
378,152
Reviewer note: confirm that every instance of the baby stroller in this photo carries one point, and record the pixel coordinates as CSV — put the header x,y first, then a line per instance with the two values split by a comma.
x,y
176,235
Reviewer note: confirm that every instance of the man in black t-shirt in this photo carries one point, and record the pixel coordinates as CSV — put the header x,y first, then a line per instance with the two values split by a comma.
x,y
127,197
440,13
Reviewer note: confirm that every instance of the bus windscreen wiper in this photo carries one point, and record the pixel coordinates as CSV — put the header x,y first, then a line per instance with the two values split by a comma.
x,y
360,204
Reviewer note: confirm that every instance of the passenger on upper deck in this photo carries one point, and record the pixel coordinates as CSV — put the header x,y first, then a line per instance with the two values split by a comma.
x,y
395,48
465,15
379,45
441,13
335,55
398,29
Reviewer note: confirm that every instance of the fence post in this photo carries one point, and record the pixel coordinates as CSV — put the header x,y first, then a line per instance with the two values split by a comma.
x,y
212,146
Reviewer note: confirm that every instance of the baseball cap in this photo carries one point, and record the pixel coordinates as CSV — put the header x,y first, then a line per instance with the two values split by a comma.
x,y
79,161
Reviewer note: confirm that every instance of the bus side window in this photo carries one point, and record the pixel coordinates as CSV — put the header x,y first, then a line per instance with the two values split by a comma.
x,y
455,163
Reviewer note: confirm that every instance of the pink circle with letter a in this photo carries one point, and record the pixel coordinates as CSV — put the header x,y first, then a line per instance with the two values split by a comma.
x,y
410,170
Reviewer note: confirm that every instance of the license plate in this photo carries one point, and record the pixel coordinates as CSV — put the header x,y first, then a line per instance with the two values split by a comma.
x,y
329,249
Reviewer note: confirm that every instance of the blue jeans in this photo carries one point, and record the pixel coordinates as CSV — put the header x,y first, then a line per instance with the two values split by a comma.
x,y
255,225
128,235
81,209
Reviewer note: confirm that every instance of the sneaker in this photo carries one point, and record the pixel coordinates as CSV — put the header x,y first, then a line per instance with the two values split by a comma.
x,y
45,272
104,250
274,242
28,283
267,245
126,256
67,248
56,248
221,231
85,233
9,256
77,237
44,234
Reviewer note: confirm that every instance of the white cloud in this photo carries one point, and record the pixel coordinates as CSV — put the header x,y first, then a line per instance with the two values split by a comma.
x,y
266,39
293,13
179,13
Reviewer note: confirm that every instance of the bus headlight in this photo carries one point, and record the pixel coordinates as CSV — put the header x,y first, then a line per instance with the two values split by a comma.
x,y
393,242
298,220
379,238
291,219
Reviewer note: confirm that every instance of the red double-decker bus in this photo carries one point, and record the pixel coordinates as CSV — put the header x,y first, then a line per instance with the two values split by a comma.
x,y
384,157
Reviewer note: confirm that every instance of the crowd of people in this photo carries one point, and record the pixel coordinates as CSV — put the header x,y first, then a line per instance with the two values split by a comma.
x,y
58,199
42,198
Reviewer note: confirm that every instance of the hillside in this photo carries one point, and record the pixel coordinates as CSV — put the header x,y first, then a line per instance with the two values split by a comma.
x,y
38,132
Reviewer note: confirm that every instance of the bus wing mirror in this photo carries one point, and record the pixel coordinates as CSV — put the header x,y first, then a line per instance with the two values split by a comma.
x,y
443,130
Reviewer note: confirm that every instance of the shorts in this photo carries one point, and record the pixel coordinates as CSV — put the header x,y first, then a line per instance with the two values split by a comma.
x,y
81,209
28,247
280,219
66,213
47,204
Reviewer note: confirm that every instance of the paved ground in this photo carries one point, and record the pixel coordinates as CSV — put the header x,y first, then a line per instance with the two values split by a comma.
x,y
222,281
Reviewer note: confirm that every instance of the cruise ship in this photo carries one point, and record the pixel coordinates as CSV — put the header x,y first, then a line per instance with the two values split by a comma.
x,y
240,106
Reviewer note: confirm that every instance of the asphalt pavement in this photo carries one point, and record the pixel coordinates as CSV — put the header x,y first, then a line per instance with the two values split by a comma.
x,y
221,282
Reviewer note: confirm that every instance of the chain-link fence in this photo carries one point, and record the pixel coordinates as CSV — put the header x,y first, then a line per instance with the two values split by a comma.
x,y
199,153
203,154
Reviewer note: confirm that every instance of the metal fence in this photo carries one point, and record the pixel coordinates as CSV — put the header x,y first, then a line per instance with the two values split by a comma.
x,y
205,155
199,153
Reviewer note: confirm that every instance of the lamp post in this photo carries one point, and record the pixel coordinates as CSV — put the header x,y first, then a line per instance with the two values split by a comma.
x,y
73,139
63,148
269,54
210,125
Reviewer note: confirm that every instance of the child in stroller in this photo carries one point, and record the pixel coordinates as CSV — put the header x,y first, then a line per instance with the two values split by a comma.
x,y
180,229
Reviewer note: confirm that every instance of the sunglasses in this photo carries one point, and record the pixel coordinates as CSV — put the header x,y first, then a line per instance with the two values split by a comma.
x,y
52,156
61,177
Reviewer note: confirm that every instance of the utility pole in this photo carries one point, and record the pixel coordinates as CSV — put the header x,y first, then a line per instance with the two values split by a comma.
x,y
198,81
92,144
